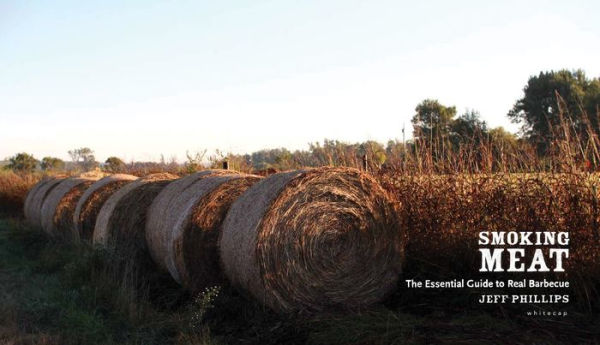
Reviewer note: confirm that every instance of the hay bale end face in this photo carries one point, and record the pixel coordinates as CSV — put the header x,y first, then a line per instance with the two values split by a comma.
x,y
314,240
88,206
59,205
169,202
33,207
193,256
27,210
120,222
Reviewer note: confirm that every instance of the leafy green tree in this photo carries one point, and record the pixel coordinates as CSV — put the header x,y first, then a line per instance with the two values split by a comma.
x,y
553,99
501,137
503,147
432,121
375,152
52,163
22,162
114,164
468,128
279,158
83,158
284,160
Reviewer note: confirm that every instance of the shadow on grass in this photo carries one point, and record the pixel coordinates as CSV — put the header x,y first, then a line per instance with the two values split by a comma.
x,y
57,293
53,292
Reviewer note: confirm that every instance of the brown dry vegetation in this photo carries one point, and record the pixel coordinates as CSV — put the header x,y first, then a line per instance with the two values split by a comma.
x,y
446,213
13,191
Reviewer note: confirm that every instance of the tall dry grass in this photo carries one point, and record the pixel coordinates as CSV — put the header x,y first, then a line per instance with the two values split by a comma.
x,y
448,196
13,191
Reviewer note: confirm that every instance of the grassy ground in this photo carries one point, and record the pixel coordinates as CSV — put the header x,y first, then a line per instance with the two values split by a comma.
x,y
54,293
51,293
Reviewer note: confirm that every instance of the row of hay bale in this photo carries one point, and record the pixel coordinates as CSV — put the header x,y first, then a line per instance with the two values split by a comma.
x,y
307,240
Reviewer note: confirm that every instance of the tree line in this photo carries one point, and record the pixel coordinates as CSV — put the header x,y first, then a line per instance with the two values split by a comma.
x,y
558,114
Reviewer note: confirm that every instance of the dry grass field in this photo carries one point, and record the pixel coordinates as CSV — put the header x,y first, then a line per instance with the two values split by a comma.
x,y
55,292
13,190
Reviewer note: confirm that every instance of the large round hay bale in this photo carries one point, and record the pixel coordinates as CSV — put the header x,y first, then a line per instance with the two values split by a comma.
x,y
168,204
33,208
120,222
192,256
27,209
314,240
38,199
59,205
86,211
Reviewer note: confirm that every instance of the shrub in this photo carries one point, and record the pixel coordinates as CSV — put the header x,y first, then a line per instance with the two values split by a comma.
x,y
22,162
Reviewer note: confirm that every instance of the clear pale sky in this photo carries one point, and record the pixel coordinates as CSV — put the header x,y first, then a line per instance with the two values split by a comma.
x,y
138,79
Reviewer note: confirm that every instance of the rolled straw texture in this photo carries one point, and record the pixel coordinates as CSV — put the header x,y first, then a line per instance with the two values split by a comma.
x,y
314,240
165,209
88,206
27,204
59,205
193,256
120,222
33,208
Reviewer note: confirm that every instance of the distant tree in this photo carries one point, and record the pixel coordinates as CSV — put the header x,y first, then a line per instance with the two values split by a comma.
x,y
114,164
501,137
22,162
279,158
283,160
83,158
432,120
504,147
375,152
468,128
302,158
540,109
52,163
240,163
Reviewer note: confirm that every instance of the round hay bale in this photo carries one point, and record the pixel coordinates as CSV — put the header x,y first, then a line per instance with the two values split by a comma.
x,y
314,240
193,255
88,206
27,210
120,222
33,208
165,209
59,205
